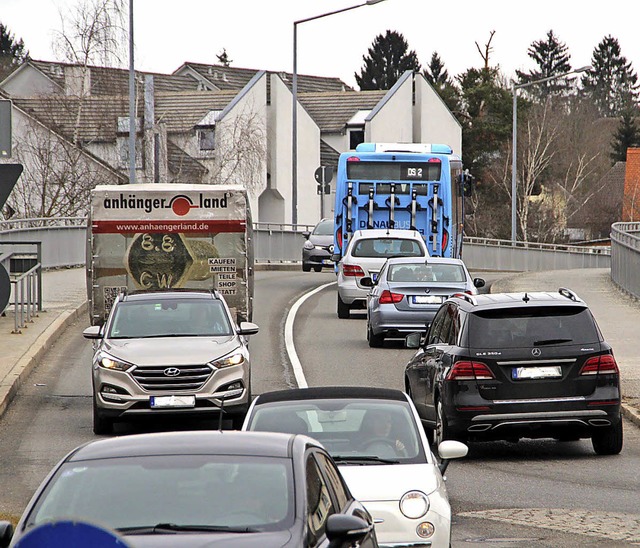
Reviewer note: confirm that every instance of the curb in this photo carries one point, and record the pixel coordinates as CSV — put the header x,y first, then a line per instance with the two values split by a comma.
x,y
631,413
32,357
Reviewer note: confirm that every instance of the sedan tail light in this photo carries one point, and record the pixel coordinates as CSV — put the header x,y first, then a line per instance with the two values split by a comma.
x,y
352,270
386,297
469,371
603,365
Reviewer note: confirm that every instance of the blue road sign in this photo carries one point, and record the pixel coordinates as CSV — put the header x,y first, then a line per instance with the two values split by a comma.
x,y
67,533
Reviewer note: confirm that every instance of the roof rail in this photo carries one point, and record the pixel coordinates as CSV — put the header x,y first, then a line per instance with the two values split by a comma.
x,y
469,298
565,292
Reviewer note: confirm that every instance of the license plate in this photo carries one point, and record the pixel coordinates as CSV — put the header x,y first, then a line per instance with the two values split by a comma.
x,y
172,401
426,299
548,372
327,262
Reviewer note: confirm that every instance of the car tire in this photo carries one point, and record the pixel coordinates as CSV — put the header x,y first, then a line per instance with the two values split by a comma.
x,y
318,268
442,431
102,426
343,309
608,441
375,341
306,267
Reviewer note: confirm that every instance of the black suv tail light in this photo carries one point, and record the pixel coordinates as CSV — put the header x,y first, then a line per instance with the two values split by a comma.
x,y
602,365
470,371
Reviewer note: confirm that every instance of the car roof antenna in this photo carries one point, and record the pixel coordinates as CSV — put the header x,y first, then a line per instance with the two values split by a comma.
x,y
526,298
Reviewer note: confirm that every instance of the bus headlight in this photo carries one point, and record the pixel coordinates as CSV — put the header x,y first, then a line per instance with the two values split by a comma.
x,y
414,504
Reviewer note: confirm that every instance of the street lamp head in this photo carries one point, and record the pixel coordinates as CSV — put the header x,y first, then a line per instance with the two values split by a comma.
x,y
584,69
372,2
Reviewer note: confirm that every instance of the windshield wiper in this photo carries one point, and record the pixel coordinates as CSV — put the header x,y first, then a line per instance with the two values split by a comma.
x,y
550,341
161,528
362,459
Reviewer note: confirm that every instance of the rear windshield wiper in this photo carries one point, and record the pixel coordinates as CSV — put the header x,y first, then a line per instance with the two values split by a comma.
x,y
550,341
161,528
362,459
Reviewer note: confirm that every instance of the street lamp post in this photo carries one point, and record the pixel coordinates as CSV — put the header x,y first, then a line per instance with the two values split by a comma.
x,y
132,102
294,116
514,164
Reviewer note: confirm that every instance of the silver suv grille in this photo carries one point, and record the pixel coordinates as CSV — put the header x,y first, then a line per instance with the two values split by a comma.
x,y
172,377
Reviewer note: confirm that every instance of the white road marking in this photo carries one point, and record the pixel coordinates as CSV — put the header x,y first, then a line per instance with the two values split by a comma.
x,y
288,336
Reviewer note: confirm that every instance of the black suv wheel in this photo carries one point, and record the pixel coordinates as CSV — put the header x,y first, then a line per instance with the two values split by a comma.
x,y
608,441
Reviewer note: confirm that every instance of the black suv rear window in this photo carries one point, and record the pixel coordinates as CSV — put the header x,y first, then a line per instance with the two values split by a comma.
x,y
539,326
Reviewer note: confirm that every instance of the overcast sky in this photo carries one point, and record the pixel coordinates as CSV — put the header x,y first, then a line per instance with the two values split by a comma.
x,y
259,33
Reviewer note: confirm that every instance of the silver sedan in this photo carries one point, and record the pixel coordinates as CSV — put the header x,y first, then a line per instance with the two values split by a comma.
x,y
408,292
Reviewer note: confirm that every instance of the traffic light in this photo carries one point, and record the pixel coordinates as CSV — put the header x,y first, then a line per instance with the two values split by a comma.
x,y
319,189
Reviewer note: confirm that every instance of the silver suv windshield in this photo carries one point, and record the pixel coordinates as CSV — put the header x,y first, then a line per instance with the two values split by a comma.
x,y
169,318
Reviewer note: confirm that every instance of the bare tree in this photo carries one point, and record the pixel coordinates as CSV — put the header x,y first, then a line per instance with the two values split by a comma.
x,y
241,151
57,177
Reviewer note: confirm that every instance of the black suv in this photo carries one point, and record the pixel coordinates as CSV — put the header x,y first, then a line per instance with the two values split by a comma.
x,y
511,365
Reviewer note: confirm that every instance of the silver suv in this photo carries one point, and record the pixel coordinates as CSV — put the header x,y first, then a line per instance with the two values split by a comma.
x,y
364,257
167,353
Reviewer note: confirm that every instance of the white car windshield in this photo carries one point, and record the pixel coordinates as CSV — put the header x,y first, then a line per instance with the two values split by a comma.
x,y
387,247
347,428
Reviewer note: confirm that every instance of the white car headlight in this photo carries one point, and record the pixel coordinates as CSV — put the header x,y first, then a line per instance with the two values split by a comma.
x,y
414,504
308,245
109,362
228,361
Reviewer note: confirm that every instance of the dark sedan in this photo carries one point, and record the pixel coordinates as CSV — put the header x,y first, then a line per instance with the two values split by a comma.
x,y
196,489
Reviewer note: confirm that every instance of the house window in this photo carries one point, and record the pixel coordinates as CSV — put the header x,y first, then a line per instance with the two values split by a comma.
x,y
356,136
207,137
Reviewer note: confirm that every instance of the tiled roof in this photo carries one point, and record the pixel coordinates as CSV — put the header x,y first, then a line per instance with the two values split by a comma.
x,y
332,111
226,78
328,156
115,81
181,111
185,169
99,115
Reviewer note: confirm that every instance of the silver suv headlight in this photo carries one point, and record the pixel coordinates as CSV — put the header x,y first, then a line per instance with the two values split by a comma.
x,y
109,362
237,358
414,504
308,245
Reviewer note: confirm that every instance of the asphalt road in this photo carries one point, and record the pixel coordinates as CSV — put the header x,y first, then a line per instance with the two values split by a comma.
x,y
534,494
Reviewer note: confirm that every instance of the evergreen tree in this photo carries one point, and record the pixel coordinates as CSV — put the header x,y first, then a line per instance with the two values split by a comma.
x,y
12,52
487,118
223,58
626,135
611,82
388,59
552,58
438,77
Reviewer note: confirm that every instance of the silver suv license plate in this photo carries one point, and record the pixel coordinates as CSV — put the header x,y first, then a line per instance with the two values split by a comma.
x,y
172,401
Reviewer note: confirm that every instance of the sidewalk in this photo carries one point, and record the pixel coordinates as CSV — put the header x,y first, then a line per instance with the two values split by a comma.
x,y
64,300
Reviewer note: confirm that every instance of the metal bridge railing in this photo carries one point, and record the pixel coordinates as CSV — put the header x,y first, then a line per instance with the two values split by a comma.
x,y
625,257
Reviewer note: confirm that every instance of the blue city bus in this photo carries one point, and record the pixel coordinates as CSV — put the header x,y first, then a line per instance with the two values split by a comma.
x,y
412,186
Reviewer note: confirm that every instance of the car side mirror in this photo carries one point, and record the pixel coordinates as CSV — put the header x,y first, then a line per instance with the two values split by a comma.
x,y
347,530
450,449
413,340
306,234
478,282
248,328
367,281
6,532
93,332
335,257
